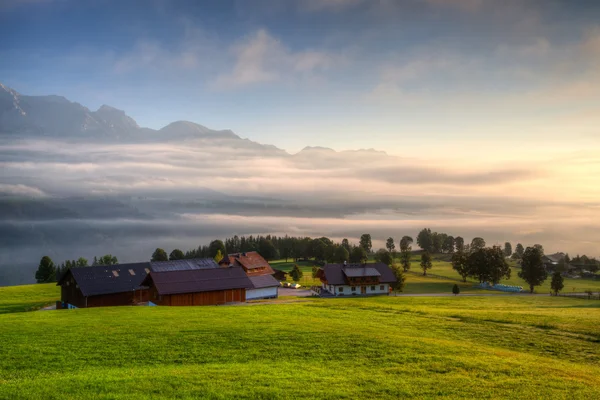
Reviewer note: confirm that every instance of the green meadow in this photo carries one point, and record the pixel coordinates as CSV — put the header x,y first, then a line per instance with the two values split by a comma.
x,y
416,283
27,297
369,348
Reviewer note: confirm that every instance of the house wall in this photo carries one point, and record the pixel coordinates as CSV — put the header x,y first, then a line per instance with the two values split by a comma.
x,y
262,293
198,299
347,289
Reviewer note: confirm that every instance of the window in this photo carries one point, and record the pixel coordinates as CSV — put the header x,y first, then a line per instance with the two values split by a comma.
x,y
372,287
341,289
115,273
381,287
354,288
132,272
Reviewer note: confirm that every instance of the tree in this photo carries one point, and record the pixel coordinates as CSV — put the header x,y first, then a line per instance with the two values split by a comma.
x,y
425,262
532,268
448,246
81,262
488,265
176,255
459,243
109,259
477,243
159,255
296,273
358,255
267,250
219,256
346,245
46,271
215,246
540,248
315,271
384,256
424,239
455,289
389,245
341,254
398,286
365,242
460,264
557,283
519,250
405,256
437,241
508,249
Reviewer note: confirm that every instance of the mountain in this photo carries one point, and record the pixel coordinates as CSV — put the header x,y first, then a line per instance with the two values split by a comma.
x,y
58,118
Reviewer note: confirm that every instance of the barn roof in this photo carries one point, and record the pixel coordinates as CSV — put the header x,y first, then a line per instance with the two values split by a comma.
x,y
336,274
263,281
181,265
250,261
108,279
198,280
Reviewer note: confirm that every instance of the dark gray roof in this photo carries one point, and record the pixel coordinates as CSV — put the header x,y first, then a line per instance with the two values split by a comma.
x,y
108,279
554,258
263,281
199,280
182,265
353,272
334,273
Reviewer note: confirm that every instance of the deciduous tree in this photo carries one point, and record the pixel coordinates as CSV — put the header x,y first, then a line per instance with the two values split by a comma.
x,y
508,249
365,242
460,264
358,255
424,239
425,262
455,289
389,245
519,250
159,255
459,243
384,256
215,246
267,250
557,283
477,243
532,268
109,259
398,286
341,254
176,255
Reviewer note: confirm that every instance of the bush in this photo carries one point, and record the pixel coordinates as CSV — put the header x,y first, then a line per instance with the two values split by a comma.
x,y
455,289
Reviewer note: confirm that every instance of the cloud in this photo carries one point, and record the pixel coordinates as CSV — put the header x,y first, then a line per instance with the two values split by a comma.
x,y
261,58
20,190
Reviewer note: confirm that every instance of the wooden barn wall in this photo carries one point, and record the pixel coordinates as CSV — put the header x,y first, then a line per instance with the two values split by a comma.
x,y
201,298
114,299
70,293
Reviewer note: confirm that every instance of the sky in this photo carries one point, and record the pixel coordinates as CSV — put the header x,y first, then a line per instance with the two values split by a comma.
x,y
487,111
433,76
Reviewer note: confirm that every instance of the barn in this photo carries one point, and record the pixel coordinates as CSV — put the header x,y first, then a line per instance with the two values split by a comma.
x,y
258,270
104,285
198,287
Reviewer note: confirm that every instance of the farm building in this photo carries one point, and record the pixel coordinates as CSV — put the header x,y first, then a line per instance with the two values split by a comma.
x,y
258,270
356,279
104,285
279,274
198,287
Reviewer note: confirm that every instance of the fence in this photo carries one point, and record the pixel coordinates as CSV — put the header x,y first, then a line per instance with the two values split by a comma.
x,y
584,296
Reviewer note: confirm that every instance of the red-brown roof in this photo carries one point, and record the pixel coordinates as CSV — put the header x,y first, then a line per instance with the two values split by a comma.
x,y
251,261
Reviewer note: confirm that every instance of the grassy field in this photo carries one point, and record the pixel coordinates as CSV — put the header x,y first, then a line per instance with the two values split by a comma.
x,y
455,347
444,268
28,297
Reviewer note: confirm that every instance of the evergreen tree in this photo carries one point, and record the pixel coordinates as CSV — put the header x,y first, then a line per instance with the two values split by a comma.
x,y
455,289
46,271
296,273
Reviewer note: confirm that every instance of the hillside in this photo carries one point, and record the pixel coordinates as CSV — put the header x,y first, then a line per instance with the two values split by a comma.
x,y
352,348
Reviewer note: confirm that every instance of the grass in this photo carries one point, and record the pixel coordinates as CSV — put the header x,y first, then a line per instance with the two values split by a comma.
x,y
27,297
463,347
444,268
